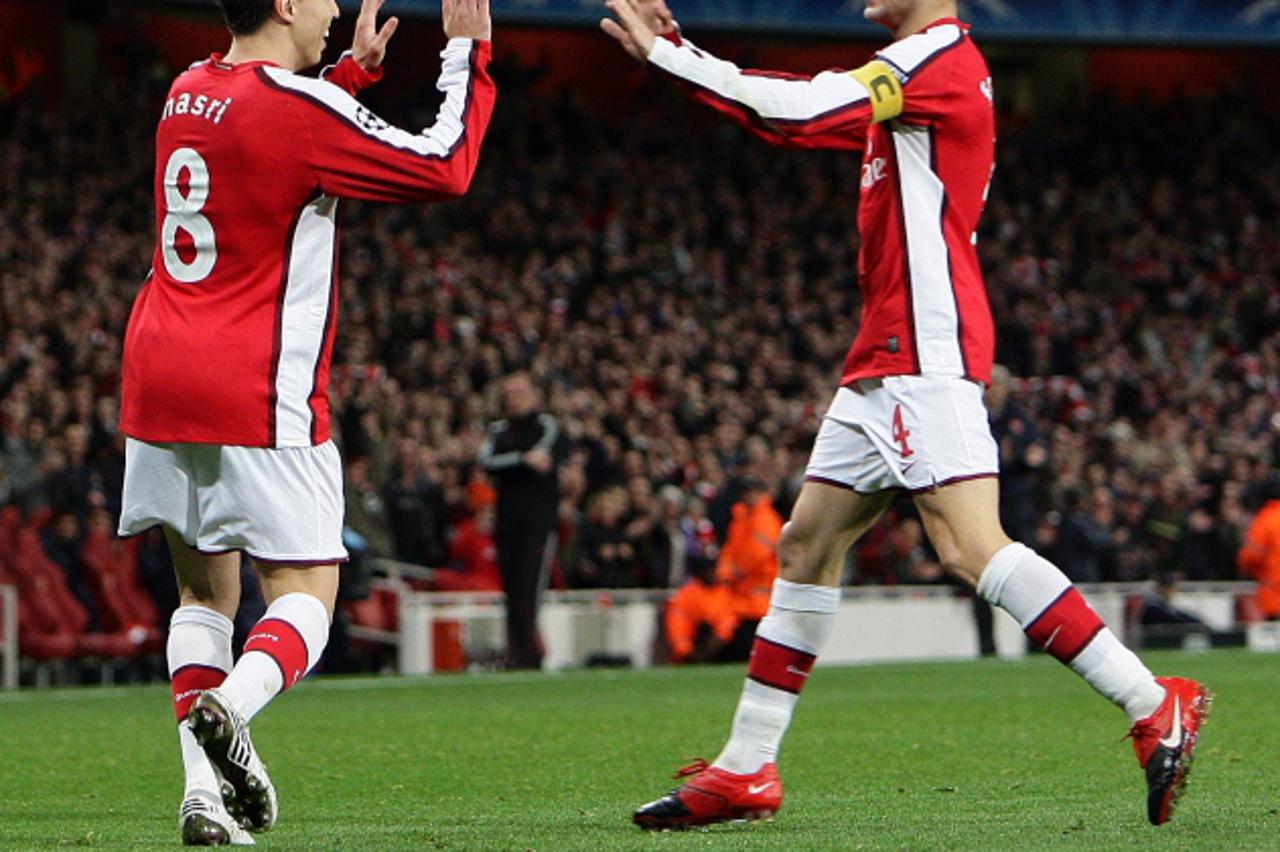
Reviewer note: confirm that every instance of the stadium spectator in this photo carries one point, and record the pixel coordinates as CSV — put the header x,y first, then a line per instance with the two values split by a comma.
x,y
910,553
700,619
1022,456
1161,620
365,509
748,561
415,505
1259,558
521,454
1081,545
63,541
608,554
670,555
472,558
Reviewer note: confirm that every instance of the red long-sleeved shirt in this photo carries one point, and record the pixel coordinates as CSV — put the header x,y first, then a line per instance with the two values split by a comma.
x,y
921,114
231,337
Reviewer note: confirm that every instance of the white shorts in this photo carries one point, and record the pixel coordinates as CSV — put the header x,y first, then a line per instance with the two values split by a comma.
x,y
279,505
912,432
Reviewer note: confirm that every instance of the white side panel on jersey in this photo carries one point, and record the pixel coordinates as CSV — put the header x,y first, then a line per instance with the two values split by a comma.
x,y
302,322
438,140
773,98
914,51
933,300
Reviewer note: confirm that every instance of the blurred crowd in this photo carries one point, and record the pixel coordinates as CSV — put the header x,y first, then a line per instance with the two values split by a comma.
x,y
683,296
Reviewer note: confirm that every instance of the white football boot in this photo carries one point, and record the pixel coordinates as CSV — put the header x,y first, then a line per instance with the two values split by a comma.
x,y
204,821
224,737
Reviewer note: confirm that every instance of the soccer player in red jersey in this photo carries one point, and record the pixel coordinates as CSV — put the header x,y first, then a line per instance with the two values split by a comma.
x,y
909,412
227,353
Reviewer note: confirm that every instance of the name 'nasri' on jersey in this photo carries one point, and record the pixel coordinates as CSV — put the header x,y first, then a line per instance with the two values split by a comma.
x,y
231,336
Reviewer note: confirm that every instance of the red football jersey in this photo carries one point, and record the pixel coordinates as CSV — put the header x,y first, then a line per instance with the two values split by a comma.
x,y
231,336
921,113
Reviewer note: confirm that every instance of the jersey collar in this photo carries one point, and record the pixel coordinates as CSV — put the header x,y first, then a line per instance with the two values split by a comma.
x,y
216,61
944,21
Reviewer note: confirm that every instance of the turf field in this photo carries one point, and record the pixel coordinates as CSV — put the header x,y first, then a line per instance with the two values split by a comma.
x,y
983,755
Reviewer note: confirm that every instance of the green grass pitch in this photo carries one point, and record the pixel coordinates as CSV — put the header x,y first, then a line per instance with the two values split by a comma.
x,y
982,755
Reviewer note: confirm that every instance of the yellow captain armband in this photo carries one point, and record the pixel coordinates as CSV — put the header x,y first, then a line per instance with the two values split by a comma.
x,y
883,87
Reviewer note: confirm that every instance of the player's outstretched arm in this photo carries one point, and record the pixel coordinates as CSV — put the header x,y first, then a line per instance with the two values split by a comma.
x,y
355,154
831,110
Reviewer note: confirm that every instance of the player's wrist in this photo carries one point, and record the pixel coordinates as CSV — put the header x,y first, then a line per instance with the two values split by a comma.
x,y
371,71
662,52
463,42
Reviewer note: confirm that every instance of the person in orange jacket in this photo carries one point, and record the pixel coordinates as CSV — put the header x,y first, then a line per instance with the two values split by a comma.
x,y
700,617
748,562
1259,557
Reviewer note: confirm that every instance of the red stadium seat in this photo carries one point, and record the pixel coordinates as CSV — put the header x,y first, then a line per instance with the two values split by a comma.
x,y
379,611
41,631
125,607
52,622
10,523
42,582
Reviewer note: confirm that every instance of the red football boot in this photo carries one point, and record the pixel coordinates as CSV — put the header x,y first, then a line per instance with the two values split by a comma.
x,y
1165,742
714,795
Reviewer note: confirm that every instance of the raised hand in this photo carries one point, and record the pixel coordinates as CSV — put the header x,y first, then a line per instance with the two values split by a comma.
x,y
467,19
638,21
656,14
369,47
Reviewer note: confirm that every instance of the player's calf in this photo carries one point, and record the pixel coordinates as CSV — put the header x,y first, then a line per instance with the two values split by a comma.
x,y
281,648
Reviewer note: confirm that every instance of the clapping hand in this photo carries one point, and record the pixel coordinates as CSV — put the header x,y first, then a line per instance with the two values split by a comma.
x,y
369,47
467,19
637,24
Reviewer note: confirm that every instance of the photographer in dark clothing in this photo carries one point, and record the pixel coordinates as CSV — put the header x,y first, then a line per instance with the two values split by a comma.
x,y
520,454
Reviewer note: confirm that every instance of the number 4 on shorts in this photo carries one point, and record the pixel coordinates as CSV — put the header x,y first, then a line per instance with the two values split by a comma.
x,y
901,433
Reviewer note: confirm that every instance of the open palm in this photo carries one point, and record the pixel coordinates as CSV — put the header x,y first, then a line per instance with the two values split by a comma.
x,y
369,47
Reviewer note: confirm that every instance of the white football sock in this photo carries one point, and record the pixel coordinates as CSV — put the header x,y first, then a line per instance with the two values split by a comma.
x,y
199,771
788,640
284,645
1042,599
199,657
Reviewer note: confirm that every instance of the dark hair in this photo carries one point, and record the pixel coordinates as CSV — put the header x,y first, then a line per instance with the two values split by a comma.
x,y
245,17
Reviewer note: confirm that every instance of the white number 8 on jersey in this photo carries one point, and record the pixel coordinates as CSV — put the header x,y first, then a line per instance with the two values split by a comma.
x,y
183,213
